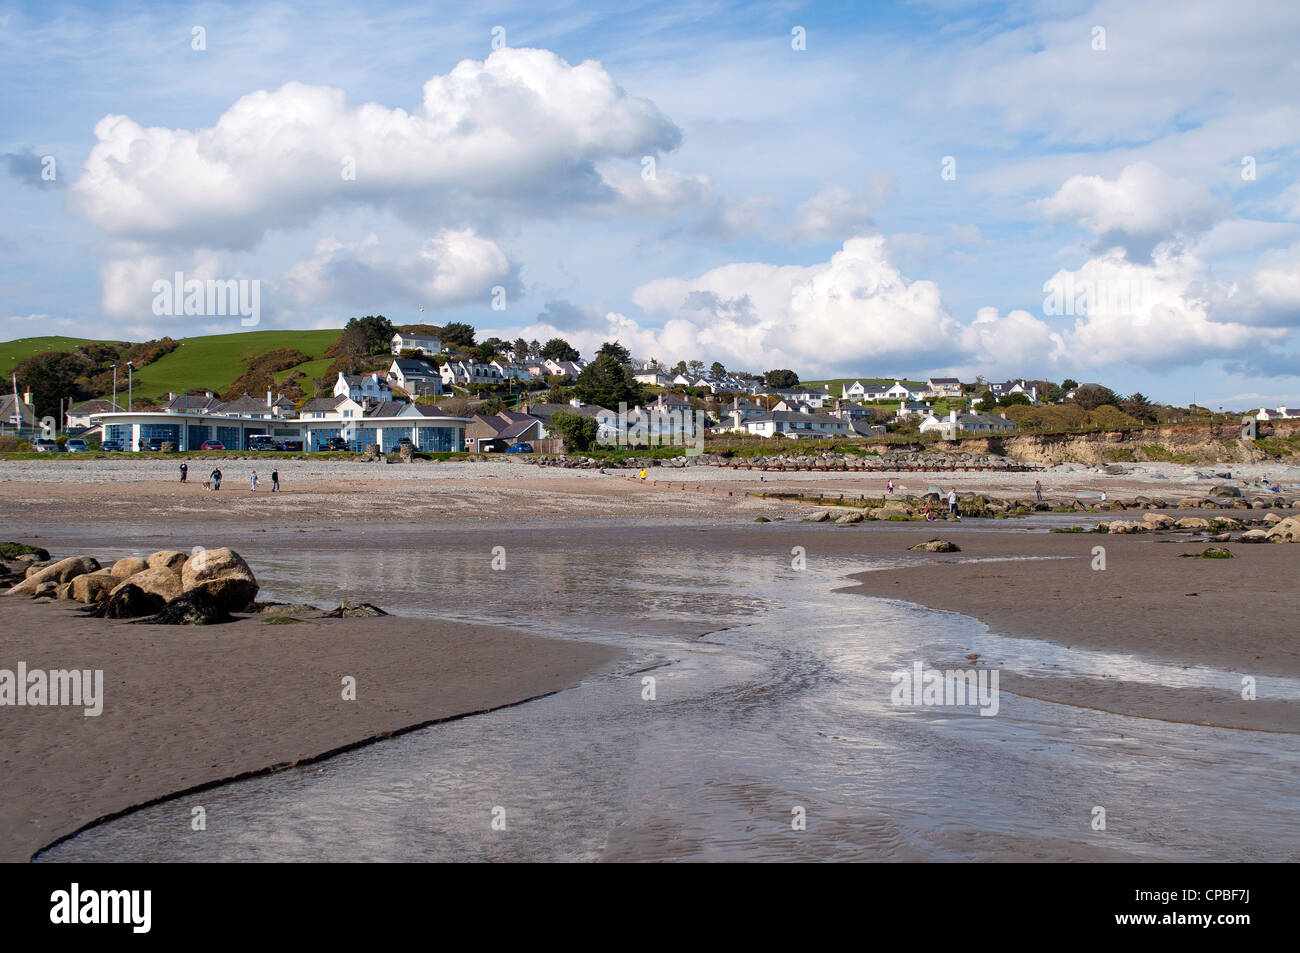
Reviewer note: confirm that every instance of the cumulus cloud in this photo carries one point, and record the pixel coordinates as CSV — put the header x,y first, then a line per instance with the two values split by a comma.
x,y
451,268
1137,210
523,126
836,213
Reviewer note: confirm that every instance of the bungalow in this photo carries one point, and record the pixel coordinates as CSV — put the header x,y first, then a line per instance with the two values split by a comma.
x,y
913,408
362,387
797,425
956,422
654,378
498,431
563,368
79,416
423,343
417,378
17,413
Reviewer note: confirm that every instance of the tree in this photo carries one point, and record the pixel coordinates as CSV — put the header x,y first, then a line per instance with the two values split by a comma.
x,y
986,403
781,378
484,353
616,351
678,368
534,349
717,370
1007,400
579,432
697,369
1138,407
1069,384
558,349
1092,396
520,349
608,383
458,334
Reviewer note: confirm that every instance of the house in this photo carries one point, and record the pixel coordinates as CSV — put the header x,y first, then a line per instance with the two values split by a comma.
x,y
803,395
362,387
416,342
655,378
322,408
498,431
511,371
79,416
956,422
797,425
563,368
943,387
417,378
15,412
913,408
1280,413
471,374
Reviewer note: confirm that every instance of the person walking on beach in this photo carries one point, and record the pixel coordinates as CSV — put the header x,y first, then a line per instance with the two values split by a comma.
x,y
215,477
889,486
252,482
184,470
275,481
1038,490
952,502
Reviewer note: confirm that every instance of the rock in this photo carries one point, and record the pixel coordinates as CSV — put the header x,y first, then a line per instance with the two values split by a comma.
x,y
19,550
761,519
172,559
1272,519
61,590
281,608
1212,552
1189,504
850,518
820,517
354,610
157,582
65,570
1220,538
128,566
128,602
1158,521
937,546
1121,527
94,587
1287,531
1253,536
1193,523
1225,490
46,590
193,607
224,574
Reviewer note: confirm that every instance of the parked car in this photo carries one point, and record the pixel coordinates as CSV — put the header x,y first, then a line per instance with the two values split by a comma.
x,y
155,444
111,446
212,445
520,448
292,446
46,445
335,443
76,445
261,442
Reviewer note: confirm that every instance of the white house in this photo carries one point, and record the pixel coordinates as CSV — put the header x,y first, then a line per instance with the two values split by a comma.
x,y
654,378
362,387
416,342
415,377
512,372
467,373
956,422
1280,413
943,387
797,425
563,368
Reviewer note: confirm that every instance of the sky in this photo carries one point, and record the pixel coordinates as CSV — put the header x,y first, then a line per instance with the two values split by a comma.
x,y
1104,191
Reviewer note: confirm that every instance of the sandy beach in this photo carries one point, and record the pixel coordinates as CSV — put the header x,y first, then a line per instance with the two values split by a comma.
x,y
245,697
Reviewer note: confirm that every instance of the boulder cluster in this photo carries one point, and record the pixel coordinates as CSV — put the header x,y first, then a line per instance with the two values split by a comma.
x,y
170,587
1269,528
795,461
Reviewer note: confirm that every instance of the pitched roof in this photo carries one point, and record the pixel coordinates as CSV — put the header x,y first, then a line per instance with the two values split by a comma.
x,y
944,380
408,365
387,408
241,405
96,405
320,405
191,403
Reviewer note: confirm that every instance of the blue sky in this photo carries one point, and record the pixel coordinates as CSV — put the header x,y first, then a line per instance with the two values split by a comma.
x,y
899,197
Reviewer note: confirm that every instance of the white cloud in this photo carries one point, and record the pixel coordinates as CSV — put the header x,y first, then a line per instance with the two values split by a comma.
x,y
523,126
835,213
1140,208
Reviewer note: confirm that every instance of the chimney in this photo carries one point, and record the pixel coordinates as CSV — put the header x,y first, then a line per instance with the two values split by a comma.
x,y
269,402
952,416
171,395
27,397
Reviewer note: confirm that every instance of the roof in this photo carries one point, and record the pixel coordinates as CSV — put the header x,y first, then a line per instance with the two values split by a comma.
x,y
429,410
191,403
408,365
544,412
321,405
944,380
96,405
240,405
792,415
387,408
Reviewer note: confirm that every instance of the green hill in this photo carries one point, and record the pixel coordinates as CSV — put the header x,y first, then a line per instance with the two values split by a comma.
x,y
213,361
209,362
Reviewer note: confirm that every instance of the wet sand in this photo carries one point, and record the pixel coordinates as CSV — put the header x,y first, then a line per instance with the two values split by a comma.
x,y
186,707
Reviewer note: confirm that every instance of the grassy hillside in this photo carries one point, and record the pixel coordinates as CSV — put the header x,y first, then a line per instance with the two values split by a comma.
x,y
11,352
215,360
839,383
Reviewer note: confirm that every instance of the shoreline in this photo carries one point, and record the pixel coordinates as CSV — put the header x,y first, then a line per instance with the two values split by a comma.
x,y
243,699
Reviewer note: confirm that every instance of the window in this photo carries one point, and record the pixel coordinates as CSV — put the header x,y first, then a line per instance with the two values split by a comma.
x,y
392,435
115,432
168,432
229,438
195,435
436,439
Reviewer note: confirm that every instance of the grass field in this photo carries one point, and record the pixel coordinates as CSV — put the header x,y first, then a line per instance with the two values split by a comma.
x,y
11,352
210,362
838,384
213,361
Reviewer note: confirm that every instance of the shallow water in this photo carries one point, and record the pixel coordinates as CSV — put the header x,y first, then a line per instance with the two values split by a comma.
x,y
783,705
